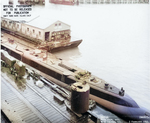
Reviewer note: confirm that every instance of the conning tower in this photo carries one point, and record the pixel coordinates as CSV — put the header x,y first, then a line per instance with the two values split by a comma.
x,y
80,97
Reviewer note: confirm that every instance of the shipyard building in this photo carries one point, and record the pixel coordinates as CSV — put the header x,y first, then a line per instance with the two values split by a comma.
x,y
38,30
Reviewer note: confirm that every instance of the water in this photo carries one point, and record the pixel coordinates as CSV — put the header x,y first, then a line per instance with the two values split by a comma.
x,y
116,43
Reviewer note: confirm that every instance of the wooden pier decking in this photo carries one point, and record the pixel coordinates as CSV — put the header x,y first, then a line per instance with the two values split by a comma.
x,y
15,107
34,104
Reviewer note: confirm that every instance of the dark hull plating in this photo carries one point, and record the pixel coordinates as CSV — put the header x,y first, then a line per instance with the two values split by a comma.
x,y
70,45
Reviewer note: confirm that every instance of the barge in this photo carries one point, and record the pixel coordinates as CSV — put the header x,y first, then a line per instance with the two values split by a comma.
x,y
31,2
105,94
63,2
53,38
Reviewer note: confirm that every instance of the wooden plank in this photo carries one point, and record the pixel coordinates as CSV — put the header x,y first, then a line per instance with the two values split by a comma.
x,y
28,94
37,104
28,115
44,108
39,122
4,97
20,110
64,121
32,116
40,107
7,96
33,99
42,103
34,96
14,101
47,111
6,92
61,120
9,112
51,114
56,118
23,114
16,105
31,119
15,92
37,99
35,120
25,111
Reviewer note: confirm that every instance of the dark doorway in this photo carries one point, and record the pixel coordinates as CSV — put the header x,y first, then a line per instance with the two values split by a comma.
x,y
47,36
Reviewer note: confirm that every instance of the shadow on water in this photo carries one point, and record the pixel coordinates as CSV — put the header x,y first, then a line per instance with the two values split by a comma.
x,y
105,114
69,54
109,115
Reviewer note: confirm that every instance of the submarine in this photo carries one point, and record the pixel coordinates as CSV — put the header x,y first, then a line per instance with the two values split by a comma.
x,y
118,102
105,94
114,99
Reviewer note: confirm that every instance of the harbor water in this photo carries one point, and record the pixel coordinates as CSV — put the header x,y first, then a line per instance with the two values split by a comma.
x,y
115,47
116,42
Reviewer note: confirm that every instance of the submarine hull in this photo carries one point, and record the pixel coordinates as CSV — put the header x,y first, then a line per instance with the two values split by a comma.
x,y
133,113
127,113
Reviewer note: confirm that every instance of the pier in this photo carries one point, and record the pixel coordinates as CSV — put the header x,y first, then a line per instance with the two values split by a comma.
x,y
34,104
112,1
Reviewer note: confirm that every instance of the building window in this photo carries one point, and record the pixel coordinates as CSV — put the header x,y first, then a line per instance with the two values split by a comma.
x,y
62,32
56,24
33,31
28,29
17,25
59,24
39,33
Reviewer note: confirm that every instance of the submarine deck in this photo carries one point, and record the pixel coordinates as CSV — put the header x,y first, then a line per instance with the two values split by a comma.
x,y
57,64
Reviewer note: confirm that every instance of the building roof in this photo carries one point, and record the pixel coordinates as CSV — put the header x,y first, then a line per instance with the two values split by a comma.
x,y
41,22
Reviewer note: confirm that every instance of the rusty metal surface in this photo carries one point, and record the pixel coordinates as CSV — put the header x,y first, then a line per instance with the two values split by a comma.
x,y
80,97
